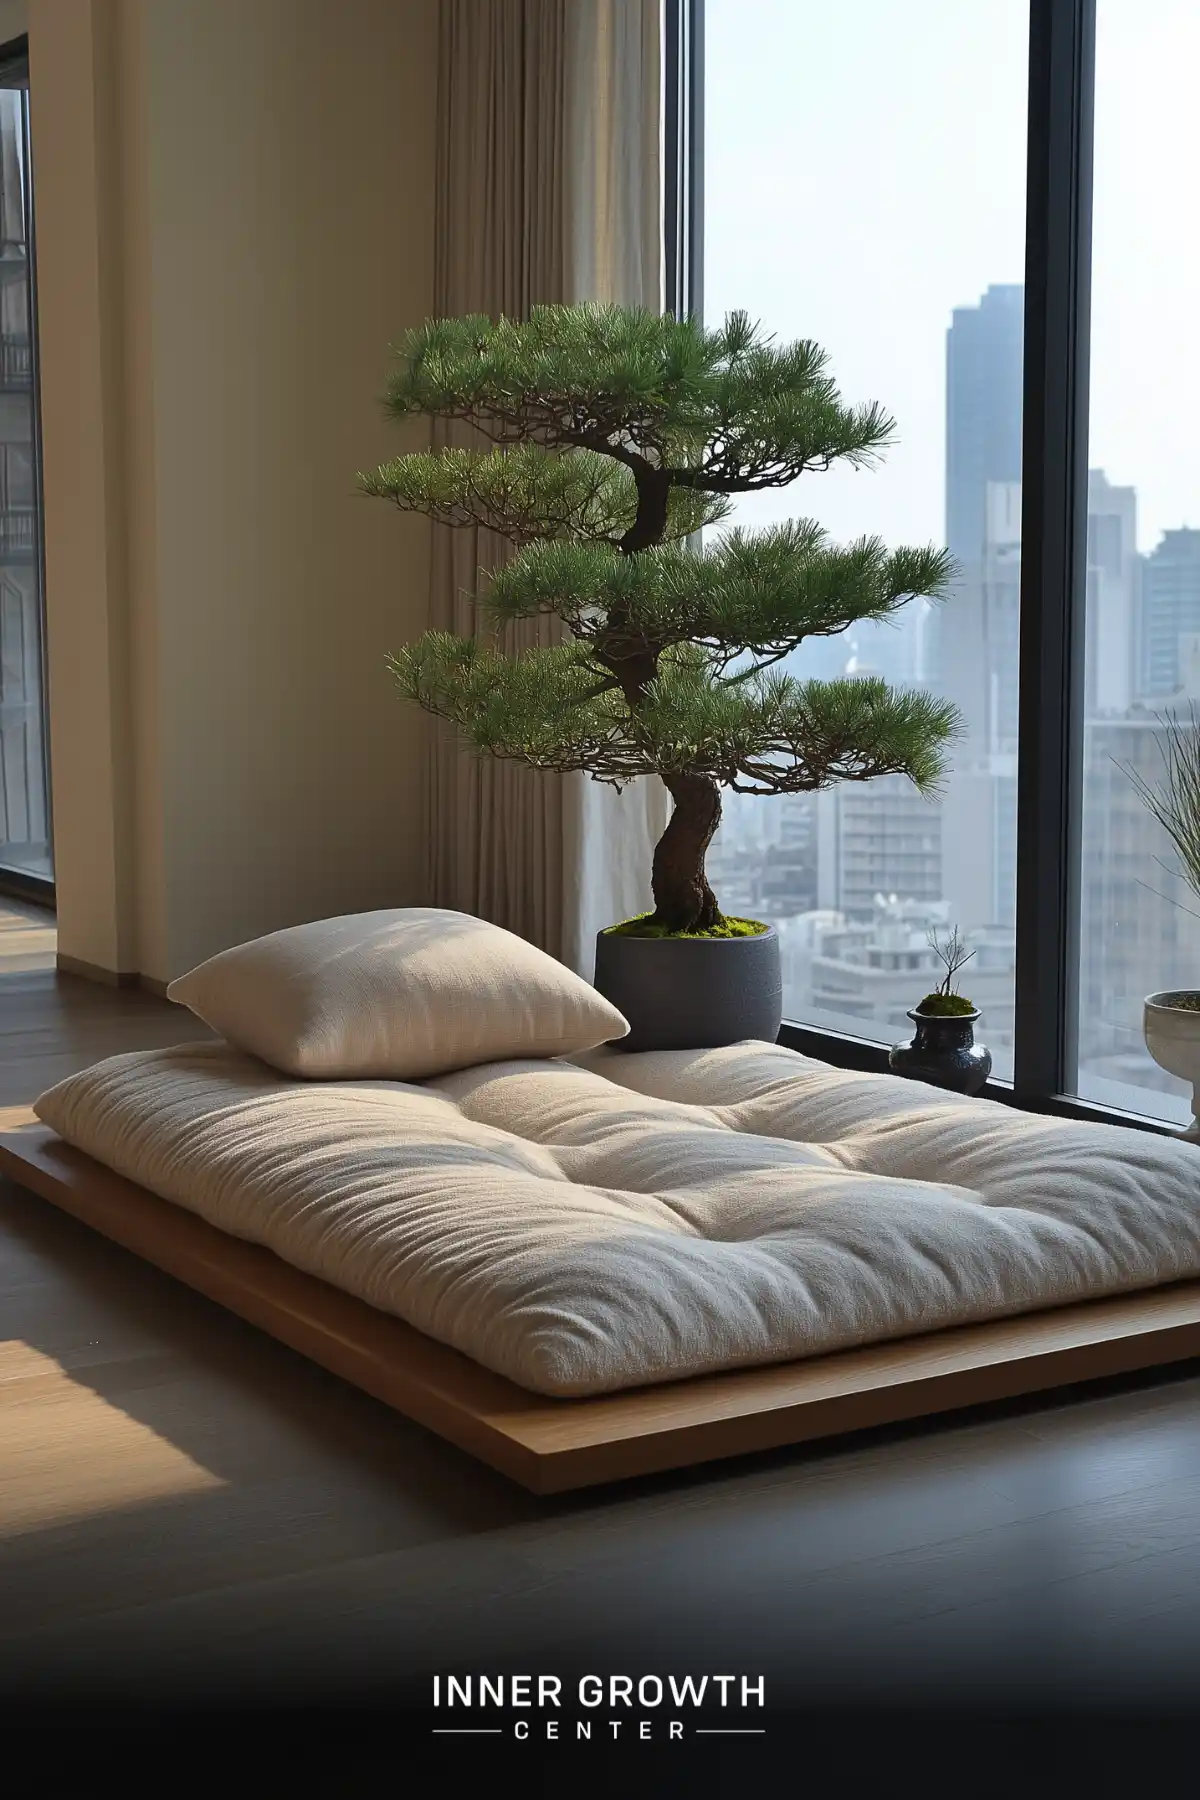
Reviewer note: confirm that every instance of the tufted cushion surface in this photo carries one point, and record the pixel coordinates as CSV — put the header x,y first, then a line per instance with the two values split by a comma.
x,y
596,1224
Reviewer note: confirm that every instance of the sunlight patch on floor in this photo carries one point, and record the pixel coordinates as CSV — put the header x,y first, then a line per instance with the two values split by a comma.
x,y
28,938
67,1454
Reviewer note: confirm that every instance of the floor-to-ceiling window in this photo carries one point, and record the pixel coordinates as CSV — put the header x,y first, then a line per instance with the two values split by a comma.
x,y
864,185
982,212
25,836
1138,924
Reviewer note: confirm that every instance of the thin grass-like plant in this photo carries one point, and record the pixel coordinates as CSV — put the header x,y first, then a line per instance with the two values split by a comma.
x,y
1175,803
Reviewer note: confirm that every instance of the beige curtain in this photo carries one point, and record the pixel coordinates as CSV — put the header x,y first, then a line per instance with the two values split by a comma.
x,y
614,253
549,189
494,828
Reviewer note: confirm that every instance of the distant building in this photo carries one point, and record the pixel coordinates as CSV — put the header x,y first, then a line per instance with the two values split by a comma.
x,y
736,851
979,842
1170,610
786,881
1000,617
877,837
1113,593
983,411
893,649
983,448
975,632
763,860
979,828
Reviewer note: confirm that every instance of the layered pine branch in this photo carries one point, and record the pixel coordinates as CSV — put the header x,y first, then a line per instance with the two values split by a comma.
x,y
608,438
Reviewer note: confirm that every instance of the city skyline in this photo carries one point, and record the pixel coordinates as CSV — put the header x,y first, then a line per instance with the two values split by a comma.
x,y
916,204
855,877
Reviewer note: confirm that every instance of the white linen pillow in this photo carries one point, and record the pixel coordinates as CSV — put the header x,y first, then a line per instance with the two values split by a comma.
x,y
395,995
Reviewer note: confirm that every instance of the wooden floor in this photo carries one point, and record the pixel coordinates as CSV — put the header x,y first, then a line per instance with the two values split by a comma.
x,y
28,939
188,1509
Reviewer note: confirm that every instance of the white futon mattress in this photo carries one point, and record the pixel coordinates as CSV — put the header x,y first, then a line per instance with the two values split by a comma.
x,y
622,1219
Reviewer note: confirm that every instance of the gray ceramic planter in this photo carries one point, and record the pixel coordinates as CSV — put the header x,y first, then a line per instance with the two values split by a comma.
x,y
692,993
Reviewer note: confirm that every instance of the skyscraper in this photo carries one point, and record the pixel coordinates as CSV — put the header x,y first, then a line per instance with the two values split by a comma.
x,y
975,631
1170,611
1113,568
1000,617
983,411
983,447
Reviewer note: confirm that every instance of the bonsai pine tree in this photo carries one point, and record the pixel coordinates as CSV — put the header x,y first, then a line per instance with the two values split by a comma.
x,y
607,437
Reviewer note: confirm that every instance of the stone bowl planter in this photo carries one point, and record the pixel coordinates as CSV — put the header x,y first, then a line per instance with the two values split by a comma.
x,y
1173,1039
692,993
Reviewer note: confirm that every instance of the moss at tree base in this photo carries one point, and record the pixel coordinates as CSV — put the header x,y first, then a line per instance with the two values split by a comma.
x,y
641,927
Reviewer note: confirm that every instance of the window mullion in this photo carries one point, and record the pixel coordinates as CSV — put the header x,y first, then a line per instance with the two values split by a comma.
x,y
1054,544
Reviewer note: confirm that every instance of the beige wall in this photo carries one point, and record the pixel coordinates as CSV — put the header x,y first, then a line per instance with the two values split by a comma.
x,y
14,19
235,211
79,318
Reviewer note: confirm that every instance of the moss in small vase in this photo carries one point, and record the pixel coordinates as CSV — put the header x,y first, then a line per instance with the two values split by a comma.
x,y
1186,1000
945,1006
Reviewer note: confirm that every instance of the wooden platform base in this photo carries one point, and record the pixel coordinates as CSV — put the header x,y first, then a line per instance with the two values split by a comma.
x,y
549,1446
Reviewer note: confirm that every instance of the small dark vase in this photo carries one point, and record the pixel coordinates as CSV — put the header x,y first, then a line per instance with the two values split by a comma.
x,y
943,1052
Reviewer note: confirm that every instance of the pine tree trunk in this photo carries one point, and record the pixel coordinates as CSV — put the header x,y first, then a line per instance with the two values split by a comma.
x,y
683,900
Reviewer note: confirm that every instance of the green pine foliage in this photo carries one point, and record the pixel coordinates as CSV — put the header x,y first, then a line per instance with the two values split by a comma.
x,y
727,408
528,494
607,438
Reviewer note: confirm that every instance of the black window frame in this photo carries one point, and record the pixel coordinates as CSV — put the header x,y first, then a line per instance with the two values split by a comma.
x,y
1062,37
16,883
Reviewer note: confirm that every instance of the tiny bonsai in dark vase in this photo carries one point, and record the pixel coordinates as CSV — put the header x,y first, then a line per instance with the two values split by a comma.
x,y
942,1049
